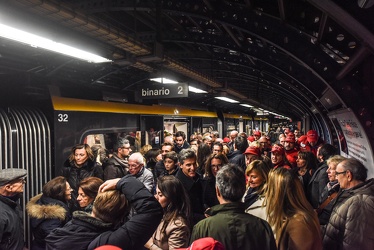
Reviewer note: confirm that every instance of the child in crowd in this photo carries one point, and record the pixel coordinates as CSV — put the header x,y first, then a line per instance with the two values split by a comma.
x,y
171,163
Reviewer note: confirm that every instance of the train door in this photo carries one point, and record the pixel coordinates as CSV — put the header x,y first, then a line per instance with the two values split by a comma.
x,y
174,124
152,130
230,126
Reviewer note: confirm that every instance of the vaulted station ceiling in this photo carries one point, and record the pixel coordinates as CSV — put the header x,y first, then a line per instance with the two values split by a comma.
x,y
294,57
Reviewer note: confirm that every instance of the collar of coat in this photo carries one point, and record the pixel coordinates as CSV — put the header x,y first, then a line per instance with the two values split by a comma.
x,y
52,210
367,187
8,201
187,181
80,217
232,207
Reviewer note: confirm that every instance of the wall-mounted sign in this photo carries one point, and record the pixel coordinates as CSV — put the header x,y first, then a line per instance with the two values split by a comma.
x,y
352,138
163,91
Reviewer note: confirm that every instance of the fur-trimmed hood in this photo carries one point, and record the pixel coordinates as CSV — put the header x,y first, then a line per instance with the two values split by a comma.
x,y
54,209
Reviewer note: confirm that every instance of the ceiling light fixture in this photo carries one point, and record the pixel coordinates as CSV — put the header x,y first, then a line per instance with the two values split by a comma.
x,y
226,99
196,90
41,42
246,105
164,80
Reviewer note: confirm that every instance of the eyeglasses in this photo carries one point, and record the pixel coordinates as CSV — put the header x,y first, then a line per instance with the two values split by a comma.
x,y
338,173
134,166
126,147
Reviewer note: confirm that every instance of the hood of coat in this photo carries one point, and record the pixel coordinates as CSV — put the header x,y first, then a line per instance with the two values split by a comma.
x,y
53,210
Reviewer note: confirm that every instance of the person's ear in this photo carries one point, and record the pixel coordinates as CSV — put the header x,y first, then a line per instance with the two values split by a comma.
x,y
218,193
349,175
8,187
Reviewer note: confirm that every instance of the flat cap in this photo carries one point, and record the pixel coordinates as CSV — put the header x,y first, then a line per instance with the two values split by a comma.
x,y
10,174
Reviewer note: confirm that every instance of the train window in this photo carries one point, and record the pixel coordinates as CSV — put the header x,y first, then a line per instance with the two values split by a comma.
x,y
108,140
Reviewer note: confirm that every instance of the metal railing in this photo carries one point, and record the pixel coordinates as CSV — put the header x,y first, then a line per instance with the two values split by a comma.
x,y
26,143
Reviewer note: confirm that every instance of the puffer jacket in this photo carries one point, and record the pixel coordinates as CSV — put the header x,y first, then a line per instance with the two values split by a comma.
x,y
77,233
45,215
75,175
11,235
351,224
235,229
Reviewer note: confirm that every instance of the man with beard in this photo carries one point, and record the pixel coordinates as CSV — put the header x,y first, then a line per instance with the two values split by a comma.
x,y
117,166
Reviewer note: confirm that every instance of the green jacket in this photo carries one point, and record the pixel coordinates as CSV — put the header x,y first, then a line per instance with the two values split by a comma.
x,y
235,229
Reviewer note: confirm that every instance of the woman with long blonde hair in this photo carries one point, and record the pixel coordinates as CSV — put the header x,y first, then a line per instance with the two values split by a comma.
x,y
292,218
257,172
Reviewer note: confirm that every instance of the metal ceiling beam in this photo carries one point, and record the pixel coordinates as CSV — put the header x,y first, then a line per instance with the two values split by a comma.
x,y
355,60
351,25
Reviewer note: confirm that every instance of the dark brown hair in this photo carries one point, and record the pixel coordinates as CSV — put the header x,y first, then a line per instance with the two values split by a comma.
x,y
55,188
90,186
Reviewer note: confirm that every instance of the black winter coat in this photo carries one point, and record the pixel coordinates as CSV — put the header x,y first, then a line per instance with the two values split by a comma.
x,y
317,184
75,175
324,214
185,145
115,167
11,224
194,190
237,158
78,233
45,215
209,192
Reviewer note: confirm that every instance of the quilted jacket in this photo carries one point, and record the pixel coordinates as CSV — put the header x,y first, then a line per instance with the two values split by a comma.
x,y
351,224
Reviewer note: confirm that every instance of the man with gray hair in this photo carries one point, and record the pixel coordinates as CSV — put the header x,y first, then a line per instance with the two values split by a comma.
x,y
351,222
117,166
11,225
228,222
191,181
138,170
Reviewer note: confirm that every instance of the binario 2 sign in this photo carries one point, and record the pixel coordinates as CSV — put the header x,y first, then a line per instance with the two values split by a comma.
x,y
163,91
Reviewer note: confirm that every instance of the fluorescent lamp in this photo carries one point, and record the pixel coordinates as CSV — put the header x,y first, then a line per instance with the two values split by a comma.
x,y
246,105
164,80
196,90
226,99
38,41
